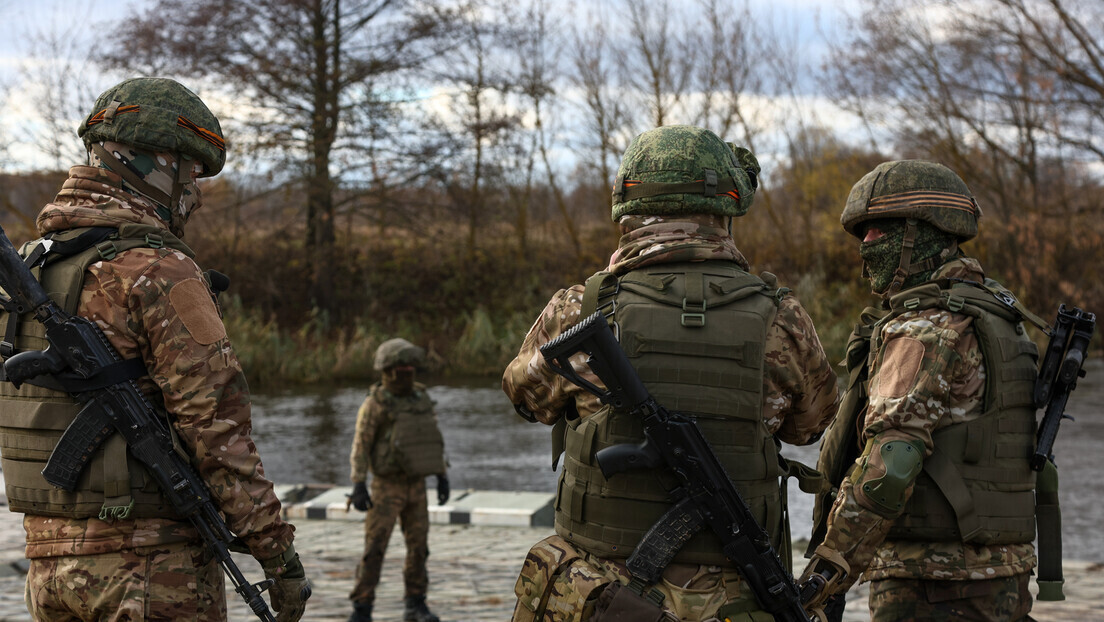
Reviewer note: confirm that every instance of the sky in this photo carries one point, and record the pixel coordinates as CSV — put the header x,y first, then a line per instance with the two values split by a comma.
x,y
37,29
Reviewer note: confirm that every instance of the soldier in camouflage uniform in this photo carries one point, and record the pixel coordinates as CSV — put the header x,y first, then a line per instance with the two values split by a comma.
x,y
399,441
113,550
936,427
710,340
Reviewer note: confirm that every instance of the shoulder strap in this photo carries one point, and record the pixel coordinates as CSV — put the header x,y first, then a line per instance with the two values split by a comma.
x,y
598,293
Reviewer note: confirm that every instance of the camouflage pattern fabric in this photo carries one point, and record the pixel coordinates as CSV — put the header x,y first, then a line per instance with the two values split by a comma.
x,y
883,255
800,387
681,154
155,584
373,419
800,391
926,191
160,171
394,498
927,374
160,115
991,600
154,304
559,581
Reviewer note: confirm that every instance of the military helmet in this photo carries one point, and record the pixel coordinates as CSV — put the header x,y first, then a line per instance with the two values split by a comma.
x,y
398,351
925,191
157,114
680,169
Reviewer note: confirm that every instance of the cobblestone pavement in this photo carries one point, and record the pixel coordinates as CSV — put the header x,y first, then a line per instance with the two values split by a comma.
x,y
472,571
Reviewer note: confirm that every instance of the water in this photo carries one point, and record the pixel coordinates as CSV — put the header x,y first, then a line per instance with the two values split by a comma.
x,y
305,437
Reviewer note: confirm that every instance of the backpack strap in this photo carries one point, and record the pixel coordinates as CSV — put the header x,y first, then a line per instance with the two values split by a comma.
x,y
598,294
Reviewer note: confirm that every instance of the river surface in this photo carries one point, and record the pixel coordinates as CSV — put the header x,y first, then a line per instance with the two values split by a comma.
x,y
304,436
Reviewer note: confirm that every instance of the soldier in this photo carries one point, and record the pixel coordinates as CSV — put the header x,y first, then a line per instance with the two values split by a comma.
x,y
114,549
398,440
937,510
710,340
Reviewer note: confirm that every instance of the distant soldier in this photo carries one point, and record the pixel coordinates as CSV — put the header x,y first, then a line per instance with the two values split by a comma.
x,y
114,548
398,440
710,340
937,510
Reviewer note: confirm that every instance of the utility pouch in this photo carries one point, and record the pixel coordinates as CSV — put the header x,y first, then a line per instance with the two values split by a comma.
x,y
617,603
555,580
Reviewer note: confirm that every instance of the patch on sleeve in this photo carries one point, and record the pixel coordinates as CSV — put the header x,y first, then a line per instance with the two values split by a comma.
x,y
899,368
192,302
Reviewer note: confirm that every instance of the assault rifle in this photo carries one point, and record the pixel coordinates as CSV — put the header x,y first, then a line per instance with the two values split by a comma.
x,y
706,494
79,351
1058,374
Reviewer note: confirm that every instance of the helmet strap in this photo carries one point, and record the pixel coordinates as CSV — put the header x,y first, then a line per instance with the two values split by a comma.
x,y
183,177
907,244
129,176
906,269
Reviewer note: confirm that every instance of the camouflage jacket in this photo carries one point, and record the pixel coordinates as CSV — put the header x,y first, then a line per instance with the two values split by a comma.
x,y
374,418
948,389
154,304
800,392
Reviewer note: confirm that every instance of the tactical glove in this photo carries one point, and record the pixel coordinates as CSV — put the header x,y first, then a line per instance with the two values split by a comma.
x,y
291,589
826,570
360,498
442,489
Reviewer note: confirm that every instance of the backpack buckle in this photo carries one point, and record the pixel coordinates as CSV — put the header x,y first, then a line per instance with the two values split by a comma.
x,y
107,250
693,314
954,303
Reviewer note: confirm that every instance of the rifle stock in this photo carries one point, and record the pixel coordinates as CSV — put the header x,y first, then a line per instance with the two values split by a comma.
x,y
708,496
78,347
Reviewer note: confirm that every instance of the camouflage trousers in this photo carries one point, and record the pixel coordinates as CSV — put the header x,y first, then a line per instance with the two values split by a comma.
x,y
563,583
158,583
394,498
992,600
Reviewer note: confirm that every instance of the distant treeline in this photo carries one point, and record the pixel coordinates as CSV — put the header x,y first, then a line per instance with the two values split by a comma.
x,y
437,169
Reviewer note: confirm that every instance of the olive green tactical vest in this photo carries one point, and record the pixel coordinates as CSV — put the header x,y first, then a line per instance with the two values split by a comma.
x,y
410,443
977,486
113,484
695,332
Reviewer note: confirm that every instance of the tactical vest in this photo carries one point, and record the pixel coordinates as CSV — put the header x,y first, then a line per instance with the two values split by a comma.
x,y
410,442
977,486
113,484
696,333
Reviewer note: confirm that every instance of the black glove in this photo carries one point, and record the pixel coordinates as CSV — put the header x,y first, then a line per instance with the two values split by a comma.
x,y
360,498
291,589
442,489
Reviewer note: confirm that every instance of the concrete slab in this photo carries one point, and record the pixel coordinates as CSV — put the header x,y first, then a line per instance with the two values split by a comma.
x,y
474,507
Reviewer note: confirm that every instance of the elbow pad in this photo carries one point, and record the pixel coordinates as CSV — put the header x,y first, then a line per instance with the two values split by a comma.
x,y
888,472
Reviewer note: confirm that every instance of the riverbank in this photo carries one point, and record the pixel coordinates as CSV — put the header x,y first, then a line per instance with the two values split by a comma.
x,y
472,569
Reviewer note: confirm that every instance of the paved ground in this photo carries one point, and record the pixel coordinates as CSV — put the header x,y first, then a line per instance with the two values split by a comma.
x,y
472,571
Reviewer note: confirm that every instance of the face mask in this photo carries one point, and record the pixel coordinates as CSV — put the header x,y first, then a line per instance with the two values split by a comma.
x,y
159,171
399,380
883,255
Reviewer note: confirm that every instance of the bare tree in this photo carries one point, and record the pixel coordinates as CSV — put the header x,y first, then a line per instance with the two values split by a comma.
x,y
604,109
1001,90
659,62
538,41
295,69
478,123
